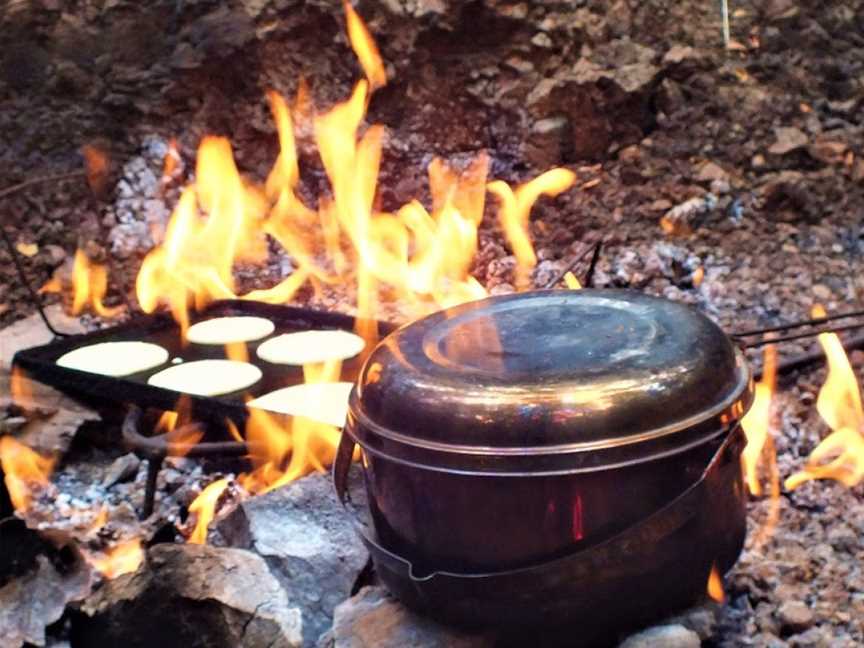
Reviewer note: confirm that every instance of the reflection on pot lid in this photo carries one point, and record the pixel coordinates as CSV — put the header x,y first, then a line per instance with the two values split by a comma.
x,y
552,368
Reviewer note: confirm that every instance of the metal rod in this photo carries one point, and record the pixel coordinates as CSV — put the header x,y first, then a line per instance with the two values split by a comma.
x,y
805,359
560,275
589,276
799,336
154,465
22,277
809,322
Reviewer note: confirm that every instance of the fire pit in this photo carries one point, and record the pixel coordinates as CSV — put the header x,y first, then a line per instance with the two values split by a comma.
x,y
552,456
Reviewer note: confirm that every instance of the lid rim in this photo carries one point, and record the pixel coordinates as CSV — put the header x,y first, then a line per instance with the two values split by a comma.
x,y
736,404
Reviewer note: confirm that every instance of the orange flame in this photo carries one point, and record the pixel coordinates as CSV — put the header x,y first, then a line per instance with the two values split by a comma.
x,y
25,471
757,422
365,48
715,585
20,388
840,456
89,286
123,558
204,507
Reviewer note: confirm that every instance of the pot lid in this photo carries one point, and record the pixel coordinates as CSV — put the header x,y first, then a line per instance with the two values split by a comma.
x,y
574,370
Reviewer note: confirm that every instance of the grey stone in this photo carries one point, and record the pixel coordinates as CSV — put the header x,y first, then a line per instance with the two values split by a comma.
x,y
36,600
123,469
795,616
195,595
309,542
373,618
788,140
666,636
702,620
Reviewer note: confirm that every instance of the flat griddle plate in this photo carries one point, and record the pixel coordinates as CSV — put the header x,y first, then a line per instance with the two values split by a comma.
x,y
40,363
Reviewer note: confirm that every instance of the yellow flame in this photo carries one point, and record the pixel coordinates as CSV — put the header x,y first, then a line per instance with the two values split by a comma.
x,y
204,508
418,255
572,282
365,48
757,422
840,456
515,210
89,286
122,558
26,472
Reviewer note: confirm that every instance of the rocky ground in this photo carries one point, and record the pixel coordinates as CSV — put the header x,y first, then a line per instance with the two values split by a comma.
x,y
750,157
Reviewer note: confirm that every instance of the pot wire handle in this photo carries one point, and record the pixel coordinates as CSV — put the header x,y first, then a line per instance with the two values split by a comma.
x,y
342,466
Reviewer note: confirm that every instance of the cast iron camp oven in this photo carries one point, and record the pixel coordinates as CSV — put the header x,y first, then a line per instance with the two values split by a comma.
x,y
555,457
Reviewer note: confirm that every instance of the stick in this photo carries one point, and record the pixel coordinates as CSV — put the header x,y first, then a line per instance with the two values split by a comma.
x,y
8,191
22,277
724,10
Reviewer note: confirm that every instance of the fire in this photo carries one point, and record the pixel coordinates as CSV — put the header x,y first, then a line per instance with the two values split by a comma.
x,y
89,286
420,257
840,456
365,48
19,387
123,558
572,282
26,472
204,508
283,449
757,422
515,210
715,585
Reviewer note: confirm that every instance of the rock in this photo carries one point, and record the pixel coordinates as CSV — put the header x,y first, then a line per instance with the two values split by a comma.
x,y
32,602
123,469
191,595
309,542
788,139
702,620
544,146
827,151
710,171
681,219
795,617
374,618
667,636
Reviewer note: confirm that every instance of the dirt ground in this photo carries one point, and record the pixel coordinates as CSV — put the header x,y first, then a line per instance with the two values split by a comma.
x,y
640,98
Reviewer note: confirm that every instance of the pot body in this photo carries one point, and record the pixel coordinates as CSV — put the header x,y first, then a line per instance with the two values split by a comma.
x,y
601,550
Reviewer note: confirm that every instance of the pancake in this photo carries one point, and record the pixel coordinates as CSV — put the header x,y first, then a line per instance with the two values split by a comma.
x,y
324,402
207,377
225,330
309,347
115,358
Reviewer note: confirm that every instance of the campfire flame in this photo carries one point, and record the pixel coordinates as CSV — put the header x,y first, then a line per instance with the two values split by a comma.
x,y
420,258
572,282
840,456
26,472
89,286
757,422
204,508
715,585
122,558
20,388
